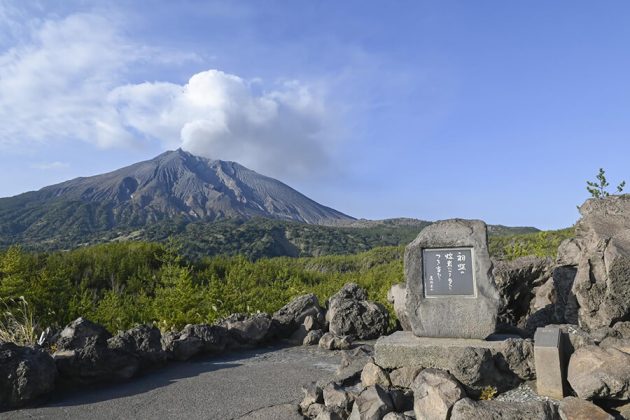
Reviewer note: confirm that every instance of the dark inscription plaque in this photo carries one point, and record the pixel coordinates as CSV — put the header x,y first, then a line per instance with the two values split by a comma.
x,y
448,272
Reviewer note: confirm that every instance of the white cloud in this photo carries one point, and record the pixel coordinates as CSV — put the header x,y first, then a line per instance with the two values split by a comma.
x,y
223,116
47,166
55,81
52,87
67,81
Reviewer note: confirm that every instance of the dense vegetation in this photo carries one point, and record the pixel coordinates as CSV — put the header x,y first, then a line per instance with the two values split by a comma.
x,y
120,284
254,238
126,283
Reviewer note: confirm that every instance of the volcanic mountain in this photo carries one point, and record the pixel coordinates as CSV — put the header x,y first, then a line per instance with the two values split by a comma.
x,y
175,184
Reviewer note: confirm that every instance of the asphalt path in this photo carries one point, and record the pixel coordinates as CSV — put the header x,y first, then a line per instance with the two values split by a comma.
x,y
253,384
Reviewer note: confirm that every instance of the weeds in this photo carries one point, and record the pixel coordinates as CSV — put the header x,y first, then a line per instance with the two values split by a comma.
x,y
488,393
17,324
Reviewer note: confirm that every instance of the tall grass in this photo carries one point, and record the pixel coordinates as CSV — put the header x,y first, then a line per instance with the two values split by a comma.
x,y
17,323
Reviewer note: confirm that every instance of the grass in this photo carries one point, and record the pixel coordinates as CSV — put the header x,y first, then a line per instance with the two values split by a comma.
x,y
17,323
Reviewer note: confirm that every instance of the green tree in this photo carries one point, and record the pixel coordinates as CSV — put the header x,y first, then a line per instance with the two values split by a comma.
x,y
179,301
14,273
597,188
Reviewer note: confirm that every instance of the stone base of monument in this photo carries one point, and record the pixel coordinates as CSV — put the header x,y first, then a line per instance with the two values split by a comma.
x,y
500,361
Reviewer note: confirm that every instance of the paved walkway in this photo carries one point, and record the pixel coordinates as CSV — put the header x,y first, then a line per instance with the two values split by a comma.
x,y
255,384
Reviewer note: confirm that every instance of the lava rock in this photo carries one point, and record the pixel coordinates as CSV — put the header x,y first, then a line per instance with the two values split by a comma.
x,y
291,316
350,313
25,374
313,394
601,253
467,409
143,342
572,408
336,399
79,332
600,373
330,341
373,403
435,392
84,354
352,364
373,374
180,346
248,330
403,377
397,296
517,281
312,338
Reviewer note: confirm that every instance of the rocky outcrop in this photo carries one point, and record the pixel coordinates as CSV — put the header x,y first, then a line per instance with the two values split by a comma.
x,y
373,403
308,326
600,373
350,313
337,400
403,377
248,330
180,346
467,409
517,356
288,319
352,364
601,253
81,332
25,374
517,282
397,296
572,408
313,394
143,342
435,392
84,354
329,341
373,374
195,339
312,338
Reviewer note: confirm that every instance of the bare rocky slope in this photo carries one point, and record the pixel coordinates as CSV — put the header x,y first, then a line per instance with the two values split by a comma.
x,y
175,184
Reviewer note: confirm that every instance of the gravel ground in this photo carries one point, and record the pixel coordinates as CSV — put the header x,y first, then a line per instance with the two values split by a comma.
x,y
256,384
525,392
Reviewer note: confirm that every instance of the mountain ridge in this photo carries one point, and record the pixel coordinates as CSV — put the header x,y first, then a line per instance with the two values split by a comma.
x,y
178,182
211,206
173,184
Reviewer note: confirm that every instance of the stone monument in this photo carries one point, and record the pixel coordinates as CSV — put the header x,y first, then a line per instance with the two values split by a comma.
x,y
452,305
450,288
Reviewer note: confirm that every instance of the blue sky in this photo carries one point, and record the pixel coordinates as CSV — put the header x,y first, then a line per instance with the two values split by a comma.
x,y
428,109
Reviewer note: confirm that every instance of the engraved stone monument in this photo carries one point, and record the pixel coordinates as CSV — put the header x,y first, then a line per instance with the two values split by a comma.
x,y
450,288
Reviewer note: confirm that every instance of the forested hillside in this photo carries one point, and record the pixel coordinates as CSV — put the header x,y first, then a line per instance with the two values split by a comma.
x,y
253,238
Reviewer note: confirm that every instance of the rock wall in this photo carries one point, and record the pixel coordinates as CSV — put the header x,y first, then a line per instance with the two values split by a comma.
x,y
600,255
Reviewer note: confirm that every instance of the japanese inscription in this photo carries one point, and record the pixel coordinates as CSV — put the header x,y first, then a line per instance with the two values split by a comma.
x,y
448,272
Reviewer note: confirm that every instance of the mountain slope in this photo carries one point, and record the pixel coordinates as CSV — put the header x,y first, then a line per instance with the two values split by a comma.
x,y
175,184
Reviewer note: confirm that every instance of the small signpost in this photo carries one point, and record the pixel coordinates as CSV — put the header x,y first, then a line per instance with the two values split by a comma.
x,y
548,361
450,288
